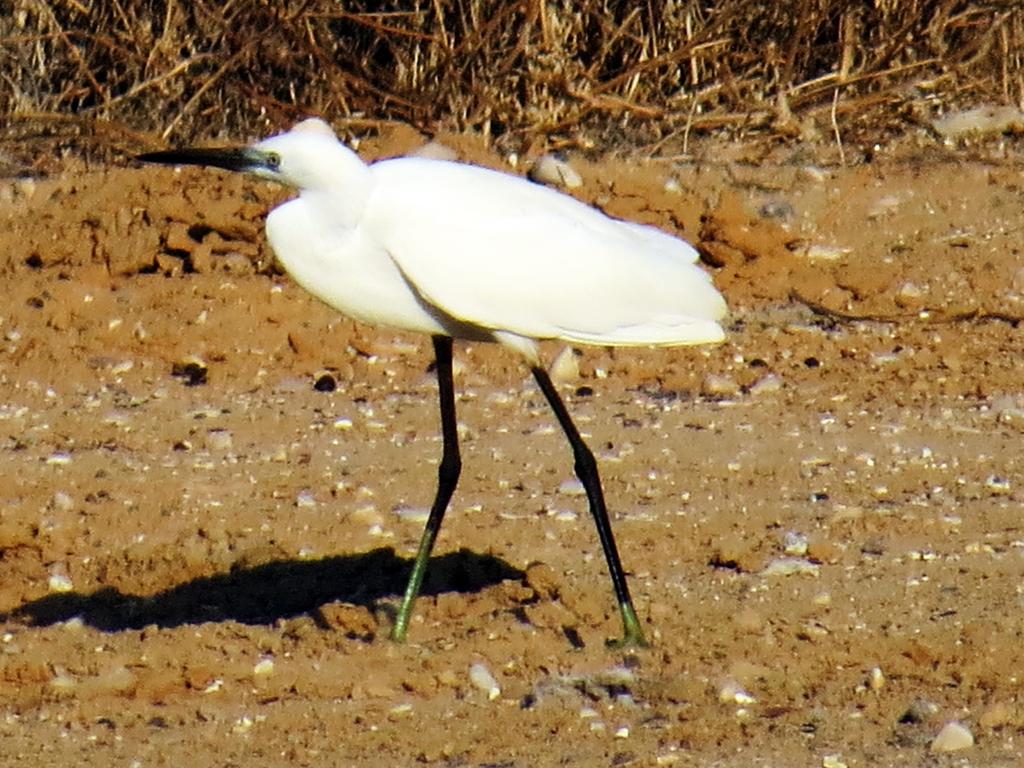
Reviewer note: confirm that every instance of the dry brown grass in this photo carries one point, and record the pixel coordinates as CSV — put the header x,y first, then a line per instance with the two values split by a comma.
x,y
520,71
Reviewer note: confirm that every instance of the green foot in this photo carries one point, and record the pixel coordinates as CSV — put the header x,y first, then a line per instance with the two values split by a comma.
x,y
632,635
629,641
401,626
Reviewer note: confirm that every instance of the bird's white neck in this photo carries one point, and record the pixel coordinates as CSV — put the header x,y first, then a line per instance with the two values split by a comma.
x,y
341,188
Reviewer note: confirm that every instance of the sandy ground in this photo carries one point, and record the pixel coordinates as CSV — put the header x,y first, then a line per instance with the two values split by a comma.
x,y
202,542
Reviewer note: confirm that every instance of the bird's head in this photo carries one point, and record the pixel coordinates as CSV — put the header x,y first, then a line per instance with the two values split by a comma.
x,y
306,157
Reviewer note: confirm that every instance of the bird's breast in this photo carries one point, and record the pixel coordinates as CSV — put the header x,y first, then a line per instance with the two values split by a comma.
x,y
345,268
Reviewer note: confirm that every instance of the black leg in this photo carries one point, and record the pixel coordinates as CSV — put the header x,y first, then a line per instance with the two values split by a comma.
x,y
447,479
586,471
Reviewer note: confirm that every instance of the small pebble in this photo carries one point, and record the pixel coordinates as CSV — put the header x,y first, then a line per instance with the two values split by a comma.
x,y
998,486
794,543
62,502
122,367
876,679
776,210
482,678
60,583
26,187
622,733
219,440
832,761
263,667
59,459
813,173
412,514
117,419
910,296
62,683
571,487
818,252
953,737
766,385
790,566
366,514
885,205
984,120
731,692
715,385
555,172
435,150
305,499
564,368
74,624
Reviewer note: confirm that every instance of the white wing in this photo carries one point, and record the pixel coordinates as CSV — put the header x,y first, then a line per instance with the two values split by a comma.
x,y
499,252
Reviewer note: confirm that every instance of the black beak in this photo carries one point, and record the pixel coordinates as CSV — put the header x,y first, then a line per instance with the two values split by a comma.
x,y
238,159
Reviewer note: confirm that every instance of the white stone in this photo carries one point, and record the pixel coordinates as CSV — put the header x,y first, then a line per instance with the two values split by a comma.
x,y
989,119
790,566
766,385
795,543
571,487
219,440
62,502
412,514
564,368
953,737
482,678
731,692
876,679
435,150
60,583
555,172
820,252
716,385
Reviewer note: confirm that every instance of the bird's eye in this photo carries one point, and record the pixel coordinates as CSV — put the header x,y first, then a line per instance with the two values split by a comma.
x,y
273,161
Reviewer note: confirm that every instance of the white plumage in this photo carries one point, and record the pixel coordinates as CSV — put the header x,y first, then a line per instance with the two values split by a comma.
x,y
442,247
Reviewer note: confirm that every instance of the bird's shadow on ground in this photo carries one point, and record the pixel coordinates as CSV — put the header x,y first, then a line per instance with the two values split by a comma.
x,y
266,593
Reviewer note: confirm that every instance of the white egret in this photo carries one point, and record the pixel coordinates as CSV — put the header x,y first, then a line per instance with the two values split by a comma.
x,y
460,251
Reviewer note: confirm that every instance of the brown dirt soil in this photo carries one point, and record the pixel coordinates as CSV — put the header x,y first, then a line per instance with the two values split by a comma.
x,y
200,552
